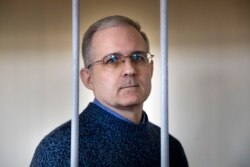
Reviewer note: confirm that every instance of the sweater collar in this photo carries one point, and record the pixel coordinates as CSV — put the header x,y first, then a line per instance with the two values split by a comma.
x,y
98,103
94,113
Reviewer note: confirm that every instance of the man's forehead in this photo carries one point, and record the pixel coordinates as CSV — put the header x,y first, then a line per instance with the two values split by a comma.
x,y
118,39
117,28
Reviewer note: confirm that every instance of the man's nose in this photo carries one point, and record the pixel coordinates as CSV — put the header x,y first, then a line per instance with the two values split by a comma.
x,y
128,67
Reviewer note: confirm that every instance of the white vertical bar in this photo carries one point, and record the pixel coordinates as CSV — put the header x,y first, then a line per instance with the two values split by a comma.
x,y
164,84
75,98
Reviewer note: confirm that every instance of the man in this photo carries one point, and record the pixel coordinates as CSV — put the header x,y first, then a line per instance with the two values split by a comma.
x,y
114,130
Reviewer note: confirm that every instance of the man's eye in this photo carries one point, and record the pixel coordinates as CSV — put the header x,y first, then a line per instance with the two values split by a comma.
x,y
137,57
112,59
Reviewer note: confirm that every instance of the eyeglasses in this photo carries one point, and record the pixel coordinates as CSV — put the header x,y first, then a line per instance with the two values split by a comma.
x,y
114,59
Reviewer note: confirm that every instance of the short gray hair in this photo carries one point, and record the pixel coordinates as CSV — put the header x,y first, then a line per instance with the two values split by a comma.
x,y
104,23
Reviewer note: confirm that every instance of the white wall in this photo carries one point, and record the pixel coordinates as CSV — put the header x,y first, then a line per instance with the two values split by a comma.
x,y
210,81
208,74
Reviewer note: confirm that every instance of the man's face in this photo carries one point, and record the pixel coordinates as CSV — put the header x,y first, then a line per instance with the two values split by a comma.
x,y
127,85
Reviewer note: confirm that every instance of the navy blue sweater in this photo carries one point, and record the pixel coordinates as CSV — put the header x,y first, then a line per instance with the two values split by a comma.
x,y
106,141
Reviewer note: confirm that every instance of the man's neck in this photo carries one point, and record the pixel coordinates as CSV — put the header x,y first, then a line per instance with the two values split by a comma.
x,y
131,113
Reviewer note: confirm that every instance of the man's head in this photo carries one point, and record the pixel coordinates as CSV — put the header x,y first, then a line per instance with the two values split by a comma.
x,y
118,68
107,22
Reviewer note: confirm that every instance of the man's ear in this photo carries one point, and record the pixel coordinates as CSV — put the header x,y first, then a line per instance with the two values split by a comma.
x,y
151,68
86,78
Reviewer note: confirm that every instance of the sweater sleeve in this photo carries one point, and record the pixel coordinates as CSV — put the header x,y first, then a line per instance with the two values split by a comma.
x,y
177,155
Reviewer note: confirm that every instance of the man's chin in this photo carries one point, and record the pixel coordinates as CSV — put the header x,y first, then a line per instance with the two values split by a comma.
x,y
129,102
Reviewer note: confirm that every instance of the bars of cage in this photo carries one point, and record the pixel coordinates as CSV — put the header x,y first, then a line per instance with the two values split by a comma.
x,y
164,83
75,85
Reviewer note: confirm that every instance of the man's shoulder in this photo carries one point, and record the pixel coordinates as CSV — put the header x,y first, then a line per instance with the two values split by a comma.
x,y
54,147
61,133
154,127
177,153
174,141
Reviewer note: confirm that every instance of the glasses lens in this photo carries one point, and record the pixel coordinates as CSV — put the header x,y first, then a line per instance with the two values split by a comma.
x,y
139,57
112,59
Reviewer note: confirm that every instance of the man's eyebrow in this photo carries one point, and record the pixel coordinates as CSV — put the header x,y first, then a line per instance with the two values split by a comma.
x,y
113,53
119,53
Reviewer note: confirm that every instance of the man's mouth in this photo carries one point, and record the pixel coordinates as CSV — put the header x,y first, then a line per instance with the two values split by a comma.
x,y
130,86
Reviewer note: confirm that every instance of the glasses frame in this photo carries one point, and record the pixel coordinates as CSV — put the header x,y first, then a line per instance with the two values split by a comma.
x,y
149,57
